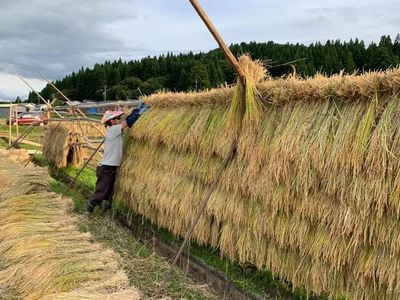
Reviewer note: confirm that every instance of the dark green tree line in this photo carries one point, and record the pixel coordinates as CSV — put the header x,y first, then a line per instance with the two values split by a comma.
x,y
185,72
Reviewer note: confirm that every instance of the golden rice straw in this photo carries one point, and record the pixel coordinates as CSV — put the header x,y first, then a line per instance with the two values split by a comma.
x,y
43,253
312,195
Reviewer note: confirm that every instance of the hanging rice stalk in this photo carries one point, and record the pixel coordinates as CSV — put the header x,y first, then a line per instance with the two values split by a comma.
x,y
313,194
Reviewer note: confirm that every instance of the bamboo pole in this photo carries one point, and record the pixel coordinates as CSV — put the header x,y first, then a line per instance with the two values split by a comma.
x,y
22,136
40,96
81,170
69,102
37,94
73,119
9,125
231,58
16,119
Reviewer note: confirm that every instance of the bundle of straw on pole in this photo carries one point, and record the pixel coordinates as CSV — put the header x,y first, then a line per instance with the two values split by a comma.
x,y
312,194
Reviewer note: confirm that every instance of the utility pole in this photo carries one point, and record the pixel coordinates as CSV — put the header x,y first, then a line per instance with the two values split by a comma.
x,y
105,92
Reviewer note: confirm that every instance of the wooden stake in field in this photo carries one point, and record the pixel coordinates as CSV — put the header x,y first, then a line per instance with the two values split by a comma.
x,y
9,125
16,119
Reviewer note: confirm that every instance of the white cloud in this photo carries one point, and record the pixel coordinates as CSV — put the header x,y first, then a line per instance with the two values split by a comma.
x,y
11,87
58,37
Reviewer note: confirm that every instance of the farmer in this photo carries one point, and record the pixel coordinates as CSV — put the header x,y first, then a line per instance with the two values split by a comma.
x,y
107,169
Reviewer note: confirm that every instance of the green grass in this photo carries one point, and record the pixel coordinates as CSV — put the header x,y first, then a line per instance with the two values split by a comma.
x,y
3,143
87,176
36,135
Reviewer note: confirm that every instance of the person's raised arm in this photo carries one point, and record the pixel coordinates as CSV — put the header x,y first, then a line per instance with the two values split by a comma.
x,y
134,116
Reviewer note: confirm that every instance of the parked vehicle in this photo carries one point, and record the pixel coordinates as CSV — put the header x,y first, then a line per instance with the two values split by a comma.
x,y
28,119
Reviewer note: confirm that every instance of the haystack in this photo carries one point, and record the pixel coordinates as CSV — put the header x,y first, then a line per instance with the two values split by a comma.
x,y
63,147
42,252
312,193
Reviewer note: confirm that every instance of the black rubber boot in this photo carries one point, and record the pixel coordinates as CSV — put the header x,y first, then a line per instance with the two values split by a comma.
x,y
89,208
106,208
106,205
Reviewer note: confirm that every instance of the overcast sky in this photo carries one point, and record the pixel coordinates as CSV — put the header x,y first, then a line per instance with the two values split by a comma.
x,y
58,37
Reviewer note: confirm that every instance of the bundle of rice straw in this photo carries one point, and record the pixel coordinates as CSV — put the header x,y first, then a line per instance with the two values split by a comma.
x,y
63,147
43,254
312,194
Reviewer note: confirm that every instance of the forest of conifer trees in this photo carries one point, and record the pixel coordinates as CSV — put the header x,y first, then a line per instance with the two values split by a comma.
x,y
184,72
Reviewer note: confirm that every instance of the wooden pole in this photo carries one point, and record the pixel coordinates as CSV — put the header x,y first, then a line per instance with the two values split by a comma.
x,y
81,170
61,93
16,119
69,102
22,136
231,58
203,204
9,125
40,96
72,119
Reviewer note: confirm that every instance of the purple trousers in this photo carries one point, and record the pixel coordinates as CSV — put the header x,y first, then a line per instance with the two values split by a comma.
x,y
104,185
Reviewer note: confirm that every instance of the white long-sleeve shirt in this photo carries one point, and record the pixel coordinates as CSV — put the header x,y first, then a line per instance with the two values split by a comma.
x,y
113,146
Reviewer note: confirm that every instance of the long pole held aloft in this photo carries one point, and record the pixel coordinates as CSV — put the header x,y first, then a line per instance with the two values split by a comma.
x,y
231,58
203,204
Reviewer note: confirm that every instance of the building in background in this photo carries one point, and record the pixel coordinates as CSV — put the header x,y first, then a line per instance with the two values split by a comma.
x,y
5,109
92,108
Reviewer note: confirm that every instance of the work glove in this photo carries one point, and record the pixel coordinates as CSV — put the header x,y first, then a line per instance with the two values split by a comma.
x,y
132,118
135,114
143,107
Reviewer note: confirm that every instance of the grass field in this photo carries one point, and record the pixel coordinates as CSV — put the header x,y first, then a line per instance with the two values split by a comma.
x,y
36,135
